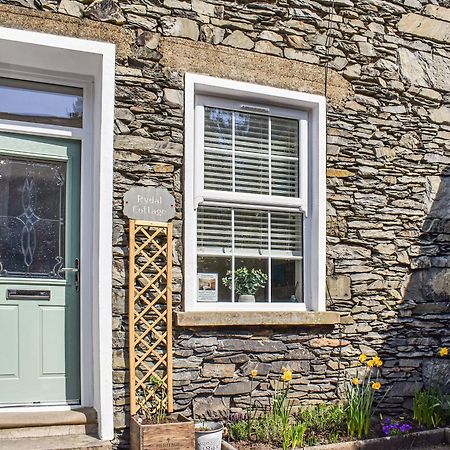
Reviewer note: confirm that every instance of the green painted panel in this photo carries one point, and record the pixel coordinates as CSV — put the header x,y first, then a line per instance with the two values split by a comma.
x,y
52,330
39,235
9,332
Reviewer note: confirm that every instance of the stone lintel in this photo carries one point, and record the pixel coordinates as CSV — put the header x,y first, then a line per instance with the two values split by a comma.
x,y
256,318
63,25
252,67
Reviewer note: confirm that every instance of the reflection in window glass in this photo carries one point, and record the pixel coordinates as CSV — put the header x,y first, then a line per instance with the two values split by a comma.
x,y
40,103
232,238
32,218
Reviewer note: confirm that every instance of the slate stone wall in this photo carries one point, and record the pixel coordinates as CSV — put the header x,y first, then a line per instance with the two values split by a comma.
x,y
388,163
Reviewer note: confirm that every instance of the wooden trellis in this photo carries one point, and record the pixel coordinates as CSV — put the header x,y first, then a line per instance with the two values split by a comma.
x,y
150,313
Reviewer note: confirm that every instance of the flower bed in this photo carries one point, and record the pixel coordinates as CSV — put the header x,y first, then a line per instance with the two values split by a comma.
x,y
410,441
277,425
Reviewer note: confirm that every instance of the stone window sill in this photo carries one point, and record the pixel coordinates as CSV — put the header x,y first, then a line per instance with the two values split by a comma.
x,y
256,318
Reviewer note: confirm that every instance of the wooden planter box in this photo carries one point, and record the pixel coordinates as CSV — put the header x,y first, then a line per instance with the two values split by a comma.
x,y
177,435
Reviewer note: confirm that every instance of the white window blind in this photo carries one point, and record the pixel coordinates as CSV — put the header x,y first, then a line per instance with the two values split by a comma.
x,y
258,154
251,153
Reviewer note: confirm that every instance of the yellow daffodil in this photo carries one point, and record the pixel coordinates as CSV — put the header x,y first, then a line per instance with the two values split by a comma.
x,y
377,362
370,363
253,373
443,351
376,385
283,369
362,357
355,381
287,376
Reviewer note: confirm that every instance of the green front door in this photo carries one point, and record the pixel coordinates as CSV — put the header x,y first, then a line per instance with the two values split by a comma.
x,y
39,277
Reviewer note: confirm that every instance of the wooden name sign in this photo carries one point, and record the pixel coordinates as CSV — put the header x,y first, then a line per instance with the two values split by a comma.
x,y
149,203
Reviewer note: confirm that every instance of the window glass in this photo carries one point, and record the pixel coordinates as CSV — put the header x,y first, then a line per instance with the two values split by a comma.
x,y
40,103
32,218
251,153
232,239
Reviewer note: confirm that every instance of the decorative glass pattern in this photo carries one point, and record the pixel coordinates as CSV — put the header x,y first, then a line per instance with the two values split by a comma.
x,y
32,218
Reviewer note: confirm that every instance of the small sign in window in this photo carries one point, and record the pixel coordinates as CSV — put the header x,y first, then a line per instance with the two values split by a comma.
x,y
207,287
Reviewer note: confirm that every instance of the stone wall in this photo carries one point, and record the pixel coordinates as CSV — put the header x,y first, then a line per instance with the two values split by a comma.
x,y
388,175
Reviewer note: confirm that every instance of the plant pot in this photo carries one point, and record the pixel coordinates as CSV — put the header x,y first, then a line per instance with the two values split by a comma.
x,y
177,434
246,298
208,436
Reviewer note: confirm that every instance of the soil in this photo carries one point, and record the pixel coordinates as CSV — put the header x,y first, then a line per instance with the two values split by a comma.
x,y
255,446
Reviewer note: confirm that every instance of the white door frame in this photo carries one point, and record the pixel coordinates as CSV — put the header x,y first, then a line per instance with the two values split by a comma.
x,y
90,65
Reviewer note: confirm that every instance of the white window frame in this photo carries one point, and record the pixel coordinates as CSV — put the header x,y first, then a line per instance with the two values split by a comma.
x,y
311,111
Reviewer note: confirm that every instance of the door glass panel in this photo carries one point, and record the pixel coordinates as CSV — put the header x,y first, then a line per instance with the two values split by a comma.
x,y
32,218
41,102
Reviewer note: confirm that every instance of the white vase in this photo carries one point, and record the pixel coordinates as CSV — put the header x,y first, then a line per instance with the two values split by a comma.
x,y
246,298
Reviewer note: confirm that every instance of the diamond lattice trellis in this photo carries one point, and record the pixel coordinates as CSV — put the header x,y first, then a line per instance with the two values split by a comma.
x,y
150,314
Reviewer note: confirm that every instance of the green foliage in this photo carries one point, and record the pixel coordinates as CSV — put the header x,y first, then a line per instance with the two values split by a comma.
x,y
429,407
293,436
322,422
239,431
246,281
359,409
153,402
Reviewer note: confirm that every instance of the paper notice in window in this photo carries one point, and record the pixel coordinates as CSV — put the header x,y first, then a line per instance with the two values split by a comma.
x,y
207,287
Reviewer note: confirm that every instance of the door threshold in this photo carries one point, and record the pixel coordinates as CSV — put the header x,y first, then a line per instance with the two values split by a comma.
x,y
50,416
38,408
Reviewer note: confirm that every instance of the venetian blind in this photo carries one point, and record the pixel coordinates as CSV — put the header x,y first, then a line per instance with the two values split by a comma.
x,y
250,153
248,232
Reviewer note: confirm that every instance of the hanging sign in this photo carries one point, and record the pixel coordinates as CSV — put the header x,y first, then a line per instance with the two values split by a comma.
x,y
149,203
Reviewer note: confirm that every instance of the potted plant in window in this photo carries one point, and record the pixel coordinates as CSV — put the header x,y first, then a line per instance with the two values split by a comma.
x,y
153,428
246,282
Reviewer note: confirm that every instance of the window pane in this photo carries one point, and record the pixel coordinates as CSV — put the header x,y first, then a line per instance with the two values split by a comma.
x,y
251,231
262,293
218,146
214,230
284,137
286,235
252,153
32,212
210,272
286,281
40,102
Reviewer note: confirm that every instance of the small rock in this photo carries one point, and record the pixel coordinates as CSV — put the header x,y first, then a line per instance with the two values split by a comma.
x,y
71,8
211,34
268,47
148,39
301,56
173,97
180,27
366,49
352,72
440,115
239,40
105,11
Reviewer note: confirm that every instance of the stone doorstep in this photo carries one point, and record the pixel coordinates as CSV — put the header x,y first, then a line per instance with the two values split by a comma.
x,y
74,442
411,441
79,416
25,425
